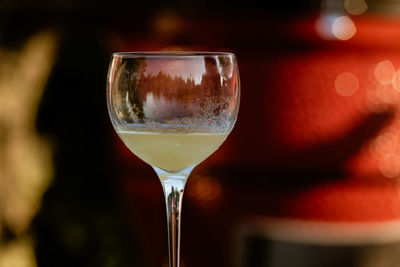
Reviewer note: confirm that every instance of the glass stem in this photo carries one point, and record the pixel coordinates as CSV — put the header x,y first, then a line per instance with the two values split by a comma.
x,y
173,186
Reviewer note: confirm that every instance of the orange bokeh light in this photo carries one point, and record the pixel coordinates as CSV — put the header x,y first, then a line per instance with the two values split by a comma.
x,y
346,84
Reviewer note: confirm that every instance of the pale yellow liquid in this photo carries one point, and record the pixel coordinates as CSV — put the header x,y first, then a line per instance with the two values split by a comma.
x,y
172,151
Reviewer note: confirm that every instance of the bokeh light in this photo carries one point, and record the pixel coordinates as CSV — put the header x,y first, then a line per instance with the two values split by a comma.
x,y
385,149
384,72
331,26
383,90
386,94
346,84
343,28
390,167
168,23
323,26
385,145
205,190
373,104
396,80
355,7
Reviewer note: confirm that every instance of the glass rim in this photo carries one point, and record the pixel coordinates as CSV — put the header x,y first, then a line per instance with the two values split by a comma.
x,y
134,54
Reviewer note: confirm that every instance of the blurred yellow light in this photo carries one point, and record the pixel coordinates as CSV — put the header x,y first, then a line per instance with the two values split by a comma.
x,y
25,156
26,164
346,84
385,72
343,28
355,7
18,254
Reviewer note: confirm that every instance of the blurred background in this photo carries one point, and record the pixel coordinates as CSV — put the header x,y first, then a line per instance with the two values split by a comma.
x,y
308,177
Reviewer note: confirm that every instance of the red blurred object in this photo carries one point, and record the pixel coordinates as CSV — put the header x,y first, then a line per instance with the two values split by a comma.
x,y
302,148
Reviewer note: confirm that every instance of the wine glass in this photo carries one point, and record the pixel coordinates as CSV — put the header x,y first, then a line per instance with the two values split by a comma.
x,y
173,110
